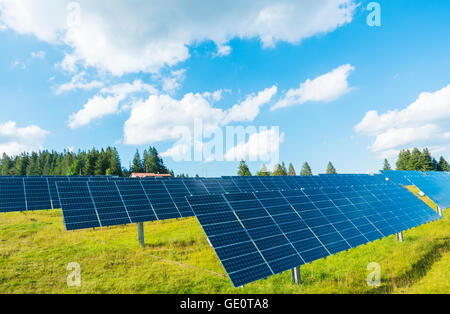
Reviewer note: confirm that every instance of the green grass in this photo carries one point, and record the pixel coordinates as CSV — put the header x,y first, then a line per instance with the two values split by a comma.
x,y
35,250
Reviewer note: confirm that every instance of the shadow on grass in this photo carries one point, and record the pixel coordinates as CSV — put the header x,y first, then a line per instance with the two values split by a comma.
x,y
418,270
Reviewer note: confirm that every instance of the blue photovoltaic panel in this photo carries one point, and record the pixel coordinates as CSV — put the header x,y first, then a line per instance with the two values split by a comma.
x,y
12,195
37,194
161,200
402,176
256,235
108,203
136,201
436,187
77,205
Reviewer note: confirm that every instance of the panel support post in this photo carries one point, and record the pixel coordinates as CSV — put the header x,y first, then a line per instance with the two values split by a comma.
x,y
439,210
400,236
141,233
295,273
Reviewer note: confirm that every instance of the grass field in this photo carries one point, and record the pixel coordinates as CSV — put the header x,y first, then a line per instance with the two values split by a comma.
x,y
35,250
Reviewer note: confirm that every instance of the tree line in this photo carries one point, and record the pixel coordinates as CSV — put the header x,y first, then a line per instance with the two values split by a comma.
x,y
91,162
418,160
281,170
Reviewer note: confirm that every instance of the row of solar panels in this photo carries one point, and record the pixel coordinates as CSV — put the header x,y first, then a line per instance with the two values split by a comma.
x,y
256,235
40,193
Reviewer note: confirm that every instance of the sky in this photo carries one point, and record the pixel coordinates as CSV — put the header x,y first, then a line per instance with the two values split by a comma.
x,y
352,82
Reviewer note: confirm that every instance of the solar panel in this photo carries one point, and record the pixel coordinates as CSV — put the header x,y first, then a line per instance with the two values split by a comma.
x,y
37,194
259,234
12,195
436,187
402,176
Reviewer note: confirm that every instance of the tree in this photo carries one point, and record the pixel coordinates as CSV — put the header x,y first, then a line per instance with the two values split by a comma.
x,y
279,170
244,171
425,161
331,169
263,172
414,160
443,165
137,163
306,170
152,163
7,164
386,165
291,171
403,160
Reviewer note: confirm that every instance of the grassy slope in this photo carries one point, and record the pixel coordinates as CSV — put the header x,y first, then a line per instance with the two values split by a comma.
x,y
35,250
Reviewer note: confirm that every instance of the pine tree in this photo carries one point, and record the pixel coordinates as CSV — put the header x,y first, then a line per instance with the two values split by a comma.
x,y
414,163
443,165
137,163
244,171
386,165
7,164
263,172
279,170
403,160
425,161
331,169
291,171
306,170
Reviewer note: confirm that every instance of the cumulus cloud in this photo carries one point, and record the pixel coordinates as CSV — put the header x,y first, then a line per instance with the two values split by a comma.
x,y
108,102
163,118
15,140
135,36
424,122
327,87
262,146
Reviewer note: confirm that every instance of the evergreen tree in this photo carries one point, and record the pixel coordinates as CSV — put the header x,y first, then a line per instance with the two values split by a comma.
x,y
331,169
386,165
137,163
443,165
291,171
403,160
263,172
32,167
244,171
425,161
306,170
279,170
7,164
415,160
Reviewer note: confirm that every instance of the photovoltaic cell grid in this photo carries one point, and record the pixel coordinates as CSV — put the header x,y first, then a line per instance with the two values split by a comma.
x,y
259,234
436,187
402,176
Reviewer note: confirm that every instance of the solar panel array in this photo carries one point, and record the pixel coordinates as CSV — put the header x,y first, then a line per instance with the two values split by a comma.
x,y
436,187
259,234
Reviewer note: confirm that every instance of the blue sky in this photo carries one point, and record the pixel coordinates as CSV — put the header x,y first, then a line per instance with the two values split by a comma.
x,y
124,77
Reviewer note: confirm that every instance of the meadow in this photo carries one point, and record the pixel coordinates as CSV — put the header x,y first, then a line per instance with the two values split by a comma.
x,y
35,250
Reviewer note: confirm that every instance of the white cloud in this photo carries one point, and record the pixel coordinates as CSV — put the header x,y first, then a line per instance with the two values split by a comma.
x,y
425,122
173,81
163,118
262,146
135,36
223,50
15,140
250,107
107,102
38,54
78,82
327,87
